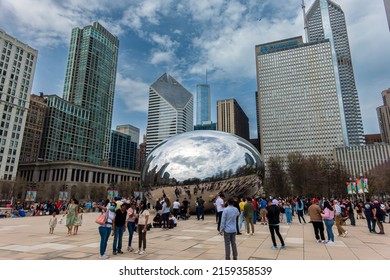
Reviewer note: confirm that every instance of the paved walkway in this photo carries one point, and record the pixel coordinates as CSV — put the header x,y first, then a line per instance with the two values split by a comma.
x,y
28,239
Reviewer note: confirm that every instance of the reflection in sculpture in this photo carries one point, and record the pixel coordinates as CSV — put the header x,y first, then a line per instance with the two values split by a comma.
x,y
202,162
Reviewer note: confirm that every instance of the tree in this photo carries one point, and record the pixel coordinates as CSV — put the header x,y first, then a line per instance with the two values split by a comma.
x,y
276,180
296,172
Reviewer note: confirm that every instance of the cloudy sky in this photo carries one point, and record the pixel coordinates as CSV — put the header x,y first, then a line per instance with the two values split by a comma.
x,y
184,38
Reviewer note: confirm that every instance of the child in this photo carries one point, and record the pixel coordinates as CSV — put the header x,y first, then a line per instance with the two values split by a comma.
x,y
52,223
78,221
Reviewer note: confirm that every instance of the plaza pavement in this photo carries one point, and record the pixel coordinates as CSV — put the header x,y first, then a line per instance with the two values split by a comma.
x,y
28,239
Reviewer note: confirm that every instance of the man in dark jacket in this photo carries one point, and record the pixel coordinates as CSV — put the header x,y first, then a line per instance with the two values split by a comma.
x,y
273,224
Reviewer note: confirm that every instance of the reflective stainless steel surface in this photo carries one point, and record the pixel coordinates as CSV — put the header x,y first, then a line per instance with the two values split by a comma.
x,y
214,161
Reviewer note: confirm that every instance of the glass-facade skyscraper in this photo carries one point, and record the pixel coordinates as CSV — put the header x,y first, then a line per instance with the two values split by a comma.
x,y
170,111
326,20
123,151
90,83
203,104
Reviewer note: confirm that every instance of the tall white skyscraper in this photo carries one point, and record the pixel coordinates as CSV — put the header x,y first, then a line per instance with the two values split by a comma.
x,y
170,111
17,67
298,98
326,20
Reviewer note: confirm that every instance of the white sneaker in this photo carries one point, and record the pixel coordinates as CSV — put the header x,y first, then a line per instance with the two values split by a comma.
x,y
137,252
330,242
141,252
345,233
104,257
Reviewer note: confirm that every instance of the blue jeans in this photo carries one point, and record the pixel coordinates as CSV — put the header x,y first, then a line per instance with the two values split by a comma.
x,y
241,221
371,223
254,217
329,224
104,235
118,234
288,216
200,212
131,228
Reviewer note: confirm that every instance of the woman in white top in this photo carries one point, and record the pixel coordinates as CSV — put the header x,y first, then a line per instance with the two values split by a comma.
x,y
105,230
143,218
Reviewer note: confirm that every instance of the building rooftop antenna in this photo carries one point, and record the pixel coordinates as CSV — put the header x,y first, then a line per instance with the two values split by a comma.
x,y
305,21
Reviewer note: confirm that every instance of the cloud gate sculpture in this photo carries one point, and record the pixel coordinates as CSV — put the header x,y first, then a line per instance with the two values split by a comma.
x,y
202,163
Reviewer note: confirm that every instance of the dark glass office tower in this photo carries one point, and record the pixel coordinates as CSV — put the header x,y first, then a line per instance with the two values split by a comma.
x,y
90,83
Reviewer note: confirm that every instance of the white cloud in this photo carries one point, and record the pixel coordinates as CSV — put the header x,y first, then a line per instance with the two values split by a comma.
x,y
135,94
160,57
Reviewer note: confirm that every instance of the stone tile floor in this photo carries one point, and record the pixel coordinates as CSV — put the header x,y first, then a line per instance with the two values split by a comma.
x,y
29,239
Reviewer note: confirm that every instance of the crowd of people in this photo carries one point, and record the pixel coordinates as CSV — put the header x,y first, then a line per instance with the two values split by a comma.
x,y
323,214
233,217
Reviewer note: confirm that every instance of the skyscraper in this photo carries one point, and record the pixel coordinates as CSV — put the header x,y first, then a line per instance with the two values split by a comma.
x,y
231,118
387,9
298,99
33,131
129,130
17,68
123,151
66,131
203,108
326,20
90,83
384,116
170,111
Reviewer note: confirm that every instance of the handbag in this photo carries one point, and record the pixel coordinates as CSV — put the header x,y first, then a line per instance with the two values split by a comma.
x,y
101,219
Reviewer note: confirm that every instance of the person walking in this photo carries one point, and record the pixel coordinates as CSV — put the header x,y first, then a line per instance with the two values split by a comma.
x,y
120,228
52,223
300,207
71,213
328,216
229,230
248,214
143,218
316,220
339,219
273,224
